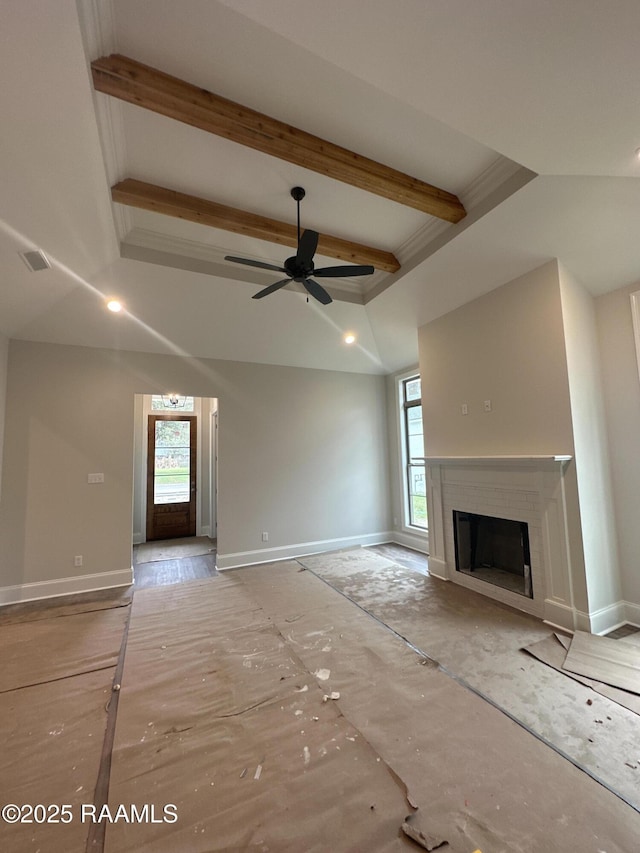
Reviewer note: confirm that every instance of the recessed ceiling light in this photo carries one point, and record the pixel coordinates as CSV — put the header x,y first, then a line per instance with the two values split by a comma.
x,y
114,305
349,338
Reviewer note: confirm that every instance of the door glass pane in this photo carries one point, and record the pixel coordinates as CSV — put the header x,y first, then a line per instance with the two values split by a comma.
x,y
172,460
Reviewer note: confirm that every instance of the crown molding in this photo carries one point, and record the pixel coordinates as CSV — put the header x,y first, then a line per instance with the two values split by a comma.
x,y
493,186
488,181
154,247
97,25
478,190
110,121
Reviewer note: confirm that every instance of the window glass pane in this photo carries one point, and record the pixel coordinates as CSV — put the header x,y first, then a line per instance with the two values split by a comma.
x,y
414,419
417,496
416,447
415,437
172,460
412,389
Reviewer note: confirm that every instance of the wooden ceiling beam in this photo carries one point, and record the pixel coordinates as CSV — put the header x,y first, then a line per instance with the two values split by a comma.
x,y
147,87
171,203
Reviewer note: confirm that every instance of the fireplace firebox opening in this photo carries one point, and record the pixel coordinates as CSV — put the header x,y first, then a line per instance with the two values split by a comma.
x,y
494,550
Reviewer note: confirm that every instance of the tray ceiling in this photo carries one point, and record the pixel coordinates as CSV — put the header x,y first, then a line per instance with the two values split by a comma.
x,y
527,118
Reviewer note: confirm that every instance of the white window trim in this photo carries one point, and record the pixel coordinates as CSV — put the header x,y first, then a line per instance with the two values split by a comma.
x,y
405,527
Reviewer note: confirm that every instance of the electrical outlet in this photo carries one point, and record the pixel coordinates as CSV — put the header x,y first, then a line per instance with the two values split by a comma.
x,y
487,405
265,536
464,408
77,561
95,478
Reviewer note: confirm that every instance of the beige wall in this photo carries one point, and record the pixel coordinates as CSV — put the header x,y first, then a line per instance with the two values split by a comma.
x,y
507,347
621,391
302,455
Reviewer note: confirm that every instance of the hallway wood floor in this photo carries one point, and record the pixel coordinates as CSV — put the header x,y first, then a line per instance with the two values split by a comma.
x,y
165,572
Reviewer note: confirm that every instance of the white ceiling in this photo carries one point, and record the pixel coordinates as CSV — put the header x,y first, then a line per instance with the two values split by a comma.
x,y
527,111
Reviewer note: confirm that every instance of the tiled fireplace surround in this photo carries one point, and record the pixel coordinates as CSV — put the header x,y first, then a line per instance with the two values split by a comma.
x,y
520,488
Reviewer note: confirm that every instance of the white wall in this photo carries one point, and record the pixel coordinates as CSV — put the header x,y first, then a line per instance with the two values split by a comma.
x,y
591,445
621,393
302,455
4,367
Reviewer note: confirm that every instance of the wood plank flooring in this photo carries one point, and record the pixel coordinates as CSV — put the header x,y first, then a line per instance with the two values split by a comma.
x,y
406,557
165,572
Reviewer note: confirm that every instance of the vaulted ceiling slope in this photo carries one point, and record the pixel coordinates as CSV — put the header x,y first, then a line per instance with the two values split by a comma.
x,y
523,114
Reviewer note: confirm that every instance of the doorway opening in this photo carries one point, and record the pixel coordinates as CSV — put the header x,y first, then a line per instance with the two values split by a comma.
x,y
175,486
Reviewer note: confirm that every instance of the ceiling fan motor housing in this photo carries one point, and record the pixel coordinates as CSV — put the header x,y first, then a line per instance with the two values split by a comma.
x,y
296,270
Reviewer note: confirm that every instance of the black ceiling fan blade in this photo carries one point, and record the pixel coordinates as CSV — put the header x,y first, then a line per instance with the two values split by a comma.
x,y
260,264
271,289
339,272
307,248
317,291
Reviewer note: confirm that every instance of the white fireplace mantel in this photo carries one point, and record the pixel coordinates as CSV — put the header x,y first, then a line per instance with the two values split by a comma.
x,y
492,460
527,488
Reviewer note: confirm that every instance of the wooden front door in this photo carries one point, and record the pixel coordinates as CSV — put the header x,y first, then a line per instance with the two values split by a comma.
x,y
171,476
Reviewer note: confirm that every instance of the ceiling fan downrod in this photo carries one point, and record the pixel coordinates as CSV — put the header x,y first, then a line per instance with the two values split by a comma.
x,y
297,194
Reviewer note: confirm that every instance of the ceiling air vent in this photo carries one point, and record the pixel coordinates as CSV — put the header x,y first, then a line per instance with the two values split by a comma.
x,y
35,260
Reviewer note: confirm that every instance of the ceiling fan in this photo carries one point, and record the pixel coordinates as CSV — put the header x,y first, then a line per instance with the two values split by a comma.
x,y
300,267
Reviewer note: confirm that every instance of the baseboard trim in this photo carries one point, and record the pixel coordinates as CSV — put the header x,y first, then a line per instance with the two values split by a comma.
x,y
302,549
608,618
558,615
64,586
438,568
415,541
632,614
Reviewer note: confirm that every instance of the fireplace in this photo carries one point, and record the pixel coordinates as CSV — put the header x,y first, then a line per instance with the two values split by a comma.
x,y
498,526
493,550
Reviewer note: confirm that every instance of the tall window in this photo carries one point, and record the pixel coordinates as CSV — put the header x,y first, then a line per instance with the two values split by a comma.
x,y
413,447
